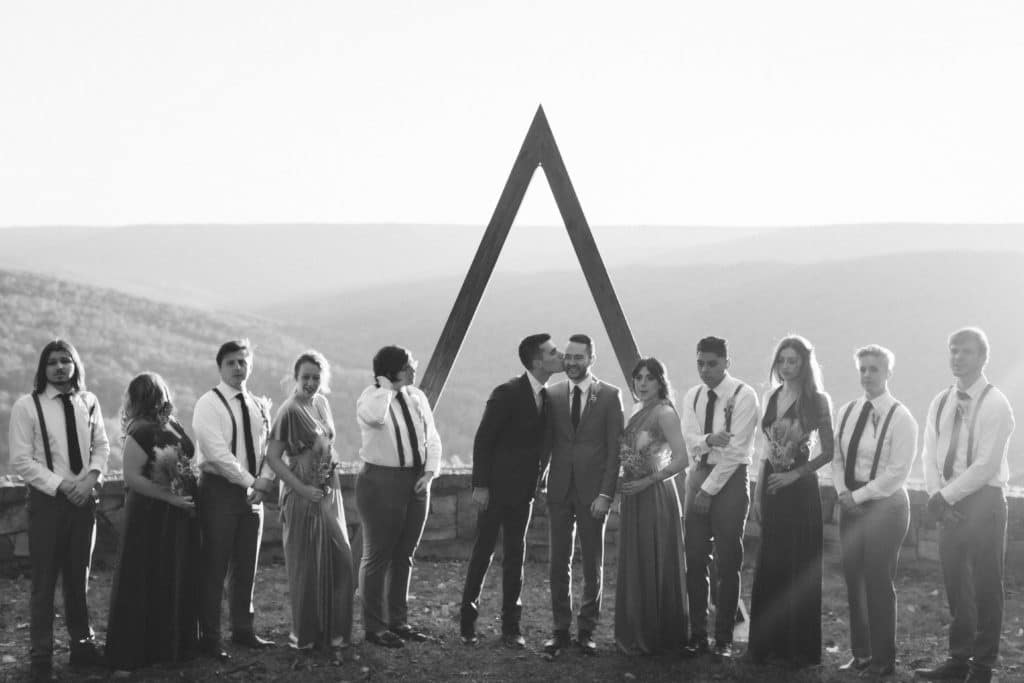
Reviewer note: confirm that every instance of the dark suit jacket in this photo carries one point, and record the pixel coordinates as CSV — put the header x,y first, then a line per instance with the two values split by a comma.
x,y
507,447
588,456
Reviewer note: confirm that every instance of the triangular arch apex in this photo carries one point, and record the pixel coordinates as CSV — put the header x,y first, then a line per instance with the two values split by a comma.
x,y
538,149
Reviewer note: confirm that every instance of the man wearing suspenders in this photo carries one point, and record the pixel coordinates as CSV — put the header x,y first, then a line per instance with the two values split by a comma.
x,y
231,430
966,471
876,444
59,446
720,416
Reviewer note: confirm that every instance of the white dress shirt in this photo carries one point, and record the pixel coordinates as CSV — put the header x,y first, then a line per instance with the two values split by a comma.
x,y
989,466
28,457
745,416
378,414
211,425
536,386
899,448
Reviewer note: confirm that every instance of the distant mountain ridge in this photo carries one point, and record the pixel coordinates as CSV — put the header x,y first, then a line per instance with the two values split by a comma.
x,y
246,267
909,302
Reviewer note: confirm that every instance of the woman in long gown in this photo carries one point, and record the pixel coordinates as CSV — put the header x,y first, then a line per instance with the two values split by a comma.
x,y
153,613
650,598
785,610
317,553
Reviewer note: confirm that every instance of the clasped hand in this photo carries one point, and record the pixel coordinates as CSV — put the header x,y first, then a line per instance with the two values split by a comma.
x,y
78,491
719,439
780,480
631,488
848,504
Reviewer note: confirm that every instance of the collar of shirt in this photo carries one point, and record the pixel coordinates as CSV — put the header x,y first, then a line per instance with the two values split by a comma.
x,y
725,388
535,384
880,404
584,385
52,392
975,389
229,391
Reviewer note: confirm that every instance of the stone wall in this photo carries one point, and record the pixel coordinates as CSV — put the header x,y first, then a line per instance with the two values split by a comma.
x,y
451,524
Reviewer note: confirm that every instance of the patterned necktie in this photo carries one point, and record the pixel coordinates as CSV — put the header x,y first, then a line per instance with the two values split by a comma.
x,y
851,451
250,447
74,448
954,437
709,422
417,461
575,414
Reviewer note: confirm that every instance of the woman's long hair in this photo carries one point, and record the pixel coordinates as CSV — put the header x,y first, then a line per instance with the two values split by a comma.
x,y
146,398
810,379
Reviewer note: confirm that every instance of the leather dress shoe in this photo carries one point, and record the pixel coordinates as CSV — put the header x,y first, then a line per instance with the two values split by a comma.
x,y
697,647
722,650
558,642
856,664
978,674
251,640
85,653
384,639
513,639
949,670
586,643
41,671
213,648
407,632
467,632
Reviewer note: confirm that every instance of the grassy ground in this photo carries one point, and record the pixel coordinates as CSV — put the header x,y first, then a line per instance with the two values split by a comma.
x,y
436,589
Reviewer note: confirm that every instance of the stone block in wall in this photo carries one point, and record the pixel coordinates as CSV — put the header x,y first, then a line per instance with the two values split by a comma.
x,y
6,547
465,514
21,544
538,531
443,505
928,549
13,494
13,518
829,498
438,532
271,525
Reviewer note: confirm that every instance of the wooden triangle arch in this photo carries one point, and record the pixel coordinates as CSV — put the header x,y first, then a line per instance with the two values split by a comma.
x,y
539,149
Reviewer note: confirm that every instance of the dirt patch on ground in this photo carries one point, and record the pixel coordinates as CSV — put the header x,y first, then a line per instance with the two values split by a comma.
x,y
437,586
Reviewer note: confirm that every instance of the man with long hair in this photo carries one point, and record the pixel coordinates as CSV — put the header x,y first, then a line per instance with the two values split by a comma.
x,y
59,446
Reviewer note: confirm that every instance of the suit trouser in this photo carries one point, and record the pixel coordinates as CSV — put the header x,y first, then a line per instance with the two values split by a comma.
x,y
722,530
61,536
393,516
564,519
972,553
512,519
870,539
232,529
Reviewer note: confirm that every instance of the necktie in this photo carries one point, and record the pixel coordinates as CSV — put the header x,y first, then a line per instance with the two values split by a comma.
x,y
417,461
74,448
542,398
954,437
250,448
575,411
851,451
709,420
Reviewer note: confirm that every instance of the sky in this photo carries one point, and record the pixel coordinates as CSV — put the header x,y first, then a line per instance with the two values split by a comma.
x,y
791,112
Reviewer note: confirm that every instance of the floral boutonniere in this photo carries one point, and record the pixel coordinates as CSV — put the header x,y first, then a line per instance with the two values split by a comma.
x,y
730,407
592,394
263,404
963,407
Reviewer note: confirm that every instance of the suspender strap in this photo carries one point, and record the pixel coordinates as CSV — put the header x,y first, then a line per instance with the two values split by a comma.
x,y
938,411
728,413
842,426
234,424
43,432
881,439
695,398
974,421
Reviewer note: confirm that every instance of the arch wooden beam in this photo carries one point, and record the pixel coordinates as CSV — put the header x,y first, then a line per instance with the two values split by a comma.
x,y
539,149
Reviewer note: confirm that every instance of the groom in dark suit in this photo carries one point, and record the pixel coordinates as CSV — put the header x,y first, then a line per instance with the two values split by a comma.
x,y
506,468
586,421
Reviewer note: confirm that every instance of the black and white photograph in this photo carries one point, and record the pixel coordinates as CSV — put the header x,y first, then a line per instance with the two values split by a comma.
x,y
481,341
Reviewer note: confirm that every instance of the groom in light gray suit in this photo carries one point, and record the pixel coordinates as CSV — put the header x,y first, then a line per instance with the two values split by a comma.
x,y
583,441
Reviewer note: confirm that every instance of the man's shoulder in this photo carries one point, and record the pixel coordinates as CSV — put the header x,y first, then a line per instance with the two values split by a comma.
x,y
602,385
999,400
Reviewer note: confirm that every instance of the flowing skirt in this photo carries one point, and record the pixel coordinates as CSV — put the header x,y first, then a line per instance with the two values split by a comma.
x,y
154,614
321,578
785,602
650,596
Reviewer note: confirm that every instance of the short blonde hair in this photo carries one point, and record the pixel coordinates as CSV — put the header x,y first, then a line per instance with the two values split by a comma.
x,y
975,333
875,350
